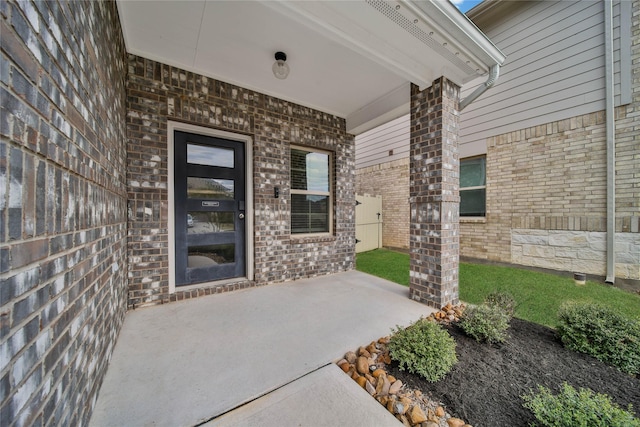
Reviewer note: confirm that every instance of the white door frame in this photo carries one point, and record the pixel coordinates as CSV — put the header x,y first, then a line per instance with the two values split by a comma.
x,y
248,143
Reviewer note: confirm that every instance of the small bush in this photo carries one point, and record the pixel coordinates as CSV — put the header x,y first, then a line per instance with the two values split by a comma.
x,y
571,408
485,323
503,300
424,348
602,333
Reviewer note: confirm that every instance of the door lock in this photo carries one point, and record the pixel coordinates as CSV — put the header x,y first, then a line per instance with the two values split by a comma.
x,y
241,216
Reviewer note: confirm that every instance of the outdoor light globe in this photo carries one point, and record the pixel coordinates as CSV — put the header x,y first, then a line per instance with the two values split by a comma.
x,y
280,67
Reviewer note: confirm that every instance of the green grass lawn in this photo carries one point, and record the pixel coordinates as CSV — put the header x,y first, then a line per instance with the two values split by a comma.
x,y
538,295
390,265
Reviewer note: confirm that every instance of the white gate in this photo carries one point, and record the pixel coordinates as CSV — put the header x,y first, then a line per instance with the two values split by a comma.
x,y
368,223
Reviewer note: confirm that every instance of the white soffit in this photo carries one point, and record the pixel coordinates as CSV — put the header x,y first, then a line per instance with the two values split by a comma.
x,y
348,58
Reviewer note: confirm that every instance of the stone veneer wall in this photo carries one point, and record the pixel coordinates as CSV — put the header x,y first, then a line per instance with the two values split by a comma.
x,y
391,181
546,197
62,206
157,93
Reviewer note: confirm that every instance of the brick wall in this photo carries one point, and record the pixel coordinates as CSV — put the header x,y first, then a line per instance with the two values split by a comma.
x,y
547,184
62,207
546,191
157,93
391,181
551,176
434,171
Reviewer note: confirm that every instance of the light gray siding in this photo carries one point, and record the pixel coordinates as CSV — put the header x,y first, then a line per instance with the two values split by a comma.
x,y
554,68
554,71
374,147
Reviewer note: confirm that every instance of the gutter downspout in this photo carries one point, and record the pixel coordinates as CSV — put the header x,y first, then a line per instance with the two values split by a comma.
x,y
494,73
611,142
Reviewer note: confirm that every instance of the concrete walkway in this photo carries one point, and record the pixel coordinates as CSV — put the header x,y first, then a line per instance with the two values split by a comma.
x,y
197,361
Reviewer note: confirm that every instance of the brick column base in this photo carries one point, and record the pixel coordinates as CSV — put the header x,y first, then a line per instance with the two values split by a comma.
x,y
434,196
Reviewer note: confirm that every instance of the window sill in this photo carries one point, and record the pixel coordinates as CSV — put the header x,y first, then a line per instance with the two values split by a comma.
x,y
473,219
313,238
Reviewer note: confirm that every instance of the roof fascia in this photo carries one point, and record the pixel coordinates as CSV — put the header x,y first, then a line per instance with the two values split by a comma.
x,y
460,29
451,36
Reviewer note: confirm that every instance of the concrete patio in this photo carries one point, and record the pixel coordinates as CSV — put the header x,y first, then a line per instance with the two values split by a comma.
x,y
259,356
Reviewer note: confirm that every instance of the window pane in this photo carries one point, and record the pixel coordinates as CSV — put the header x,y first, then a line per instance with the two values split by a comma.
x,y
209,188
472,202
206,256
210,222
309,214
309,171
472,173
210,156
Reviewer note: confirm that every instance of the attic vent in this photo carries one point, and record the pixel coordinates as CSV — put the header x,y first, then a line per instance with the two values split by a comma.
x,y
406,24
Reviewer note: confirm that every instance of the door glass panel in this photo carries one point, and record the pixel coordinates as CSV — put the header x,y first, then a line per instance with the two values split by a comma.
x,y
207,256
210,156
210,222
210,188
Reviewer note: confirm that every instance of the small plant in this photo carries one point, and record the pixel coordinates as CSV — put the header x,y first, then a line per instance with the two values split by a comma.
x,y
485,323
602,333
572,408
503,300
424,348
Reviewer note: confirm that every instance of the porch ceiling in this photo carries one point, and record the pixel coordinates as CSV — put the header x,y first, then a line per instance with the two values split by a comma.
x,y
354,59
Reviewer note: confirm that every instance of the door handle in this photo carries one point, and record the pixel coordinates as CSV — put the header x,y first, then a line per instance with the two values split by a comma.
x,y
241,216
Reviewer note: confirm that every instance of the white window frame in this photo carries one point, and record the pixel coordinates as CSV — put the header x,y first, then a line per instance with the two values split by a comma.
x,y
314,193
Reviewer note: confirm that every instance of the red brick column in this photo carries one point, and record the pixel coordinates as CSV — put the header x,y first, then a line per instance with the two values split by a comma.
x,y
434,196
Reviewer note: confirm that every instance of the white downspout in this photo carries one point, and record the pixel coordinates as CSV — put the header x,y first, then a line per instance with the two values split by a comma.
x,y
611,142
494,72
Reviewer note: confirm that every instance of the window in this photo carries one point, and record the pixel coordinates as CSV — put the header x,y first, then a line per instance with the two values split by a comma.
x,y
473,188
311,204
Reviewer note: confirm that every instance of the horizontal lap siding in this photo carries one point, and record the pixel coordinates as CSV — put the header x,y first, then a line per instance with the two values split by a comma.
x,y
373,147
554,70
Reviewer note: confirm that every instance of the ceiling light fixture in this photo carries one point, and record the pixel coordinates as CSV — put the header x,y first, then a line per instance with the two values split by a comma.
x,y
280,67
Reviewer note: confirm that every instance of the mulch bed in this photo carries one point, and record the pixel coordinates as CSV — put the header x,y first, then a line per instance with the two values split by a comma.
x,y
485,386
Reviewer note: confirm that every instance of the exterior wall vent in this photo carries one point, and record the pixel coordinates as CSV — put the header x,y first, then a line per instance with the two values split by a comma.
x,y
411,26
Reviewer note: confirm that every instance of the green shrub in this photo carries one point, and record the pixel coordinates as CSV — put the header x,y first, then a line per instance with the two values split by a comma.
x,y
485,323
602,333
424,348
573,408
503,300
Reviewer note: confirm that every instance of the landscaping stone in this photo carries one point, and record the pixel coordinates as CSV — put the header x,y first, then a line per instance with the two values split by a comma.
x,y
448,314
396,385
404,420
368,366
351,357
416,415
362,365
455,422
370,389
382,388
378,372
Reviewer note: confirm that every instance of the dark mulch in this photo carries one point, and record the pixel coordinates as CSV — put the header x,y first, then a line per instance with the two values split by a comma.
x,y
485,386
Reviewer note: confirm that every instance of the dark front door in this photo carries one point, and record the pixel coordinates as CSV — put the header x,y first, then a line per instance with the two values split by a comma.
x,y
209,208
